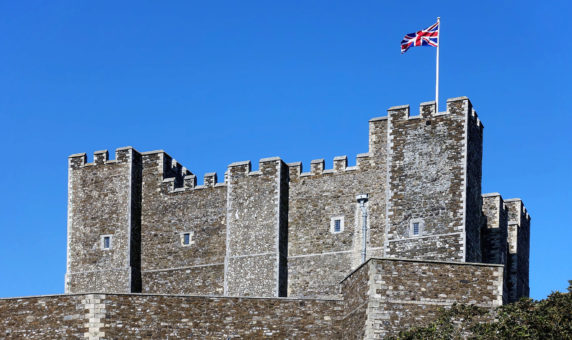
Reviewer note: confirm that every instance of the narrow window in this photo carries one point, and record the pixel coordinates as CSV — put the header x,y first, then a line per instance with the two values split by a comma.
x,y
106,242
187,239
416,228
337,224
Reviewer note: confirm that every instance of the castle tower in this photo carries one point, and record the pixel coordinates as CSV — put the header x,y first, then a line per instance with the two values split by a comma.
x,y
104,202
518,249
257,217
434,183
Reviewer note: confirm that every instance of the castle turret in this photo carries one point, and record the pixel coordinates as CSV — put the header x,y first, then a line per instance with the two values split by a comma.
x,y
104,203
434,183
257,210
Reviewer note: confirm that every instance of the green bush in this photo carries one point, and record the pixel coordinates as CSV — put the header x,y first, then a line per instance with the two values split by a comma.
x,y
550,318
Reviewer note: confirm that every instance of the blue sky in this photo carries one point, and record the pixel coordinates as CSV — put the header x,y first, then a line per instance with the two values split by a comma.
x,y
216,82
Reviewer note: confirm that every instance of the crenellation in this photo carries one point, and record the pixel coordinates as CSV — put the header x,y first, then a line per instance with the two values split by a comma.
x,y
77,160
317,166
427,109
294,170
140,223
210,179
340,163
190,181
100,157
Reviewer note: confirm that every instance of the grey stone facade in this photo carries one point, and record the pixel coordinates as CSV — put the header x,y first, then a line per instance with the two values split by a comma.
x,y
269,232
276,252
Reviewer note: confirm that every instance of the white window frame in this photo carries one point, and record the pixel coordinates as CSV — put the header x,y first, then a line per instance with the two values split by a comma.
x,y
191,241
102,242
421,227
333,224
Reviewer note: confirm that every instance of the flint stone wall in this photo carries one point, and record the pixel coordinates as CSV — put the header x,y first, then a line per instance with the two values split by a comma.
x,y
256,228
135,316
427,181
406,293
170,209
49,317
102,201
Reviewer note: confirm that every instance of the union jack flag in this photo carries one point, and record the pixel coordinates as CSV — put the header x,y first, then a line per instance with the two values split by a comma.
x,y
426,37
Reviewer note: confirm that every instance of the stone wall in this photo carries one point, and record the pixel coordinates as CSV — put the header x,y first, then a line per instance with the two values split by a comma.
x,y
254,263
44,317
495,235
427,173
473,199
319,257
135,316
269,232
518,249
173,205
103,200
406,293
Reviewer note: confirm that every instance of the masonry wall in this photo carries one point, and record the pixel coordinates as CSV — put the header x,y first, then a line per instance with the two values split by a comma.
x,y
117,316
406,293
174,204
103,200
50,317
473,199
495,235
518,249
255,250
162,317
427,182
319,258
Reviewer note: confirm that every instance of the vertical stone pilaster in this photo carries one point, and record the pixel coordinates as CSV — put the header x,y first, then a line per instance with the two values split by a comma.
x,y
95,317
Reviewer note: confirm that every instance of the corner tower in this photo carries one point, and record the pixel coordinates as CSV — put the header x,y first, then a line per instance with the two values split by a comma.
x,y
104,219
434,183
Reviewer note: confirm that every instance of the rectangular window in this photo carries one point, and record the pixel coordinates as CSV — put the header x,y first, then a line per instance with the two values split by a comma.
x,y
337,226
106,242
187,239
416,228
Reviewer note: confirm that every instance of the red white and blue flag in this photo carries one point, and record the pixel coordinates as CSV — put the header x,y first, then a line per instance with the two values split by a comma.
x,y
426,37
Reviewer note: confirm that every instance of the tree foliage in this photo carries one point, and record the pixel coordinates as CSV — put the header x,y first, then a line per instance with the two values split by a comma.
x,y
550,318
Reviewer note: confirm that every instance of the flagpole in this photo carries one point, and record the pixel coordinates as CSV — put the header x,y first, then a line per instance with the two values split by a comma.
x,y
437,67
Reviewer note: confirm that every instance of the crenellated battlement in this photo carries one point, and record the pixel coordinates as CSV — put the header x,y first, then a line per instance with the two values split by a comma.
x,y
122,155
340,165
518,210
244,168
142,223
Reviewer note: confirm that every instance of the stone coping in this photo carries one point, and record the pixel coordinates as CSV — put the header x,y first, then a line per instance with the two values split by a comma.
x,y
420,261
175,296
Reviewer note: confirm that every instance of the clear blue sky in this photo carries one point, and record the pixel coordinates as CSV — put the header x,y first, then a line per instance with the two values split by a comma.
x,y
217,82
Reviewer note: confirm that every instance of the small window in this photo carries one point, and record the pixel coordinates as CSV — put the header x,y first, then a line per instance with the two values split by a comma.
x,y
187,239
337,224
416,227
106,242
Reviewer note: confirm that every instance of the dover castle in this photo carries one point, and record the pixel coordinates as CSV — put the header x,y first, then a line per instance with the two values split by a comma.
x,y
284,251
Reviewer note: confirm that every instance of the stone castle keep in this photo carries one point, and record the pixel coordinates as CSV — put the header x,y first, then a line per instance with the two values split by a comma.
x,y
277,252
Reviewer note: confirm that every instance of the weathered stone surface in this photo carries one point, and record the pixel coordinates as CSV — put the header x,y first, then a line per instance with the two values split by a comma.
x,y
427,172
279,231
135,316
103,200
171,208
404,293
